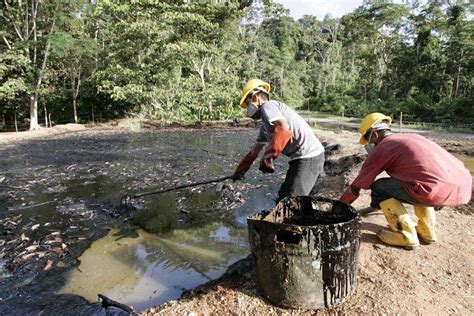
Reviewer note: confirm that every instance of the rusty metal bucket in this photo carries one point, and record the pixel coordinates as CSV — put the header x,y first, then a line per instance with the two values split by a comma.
x,y
306,251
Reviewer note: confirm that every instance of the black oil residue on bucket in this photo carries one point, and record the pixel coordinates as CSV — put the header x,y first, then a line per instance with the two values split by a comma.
x,y
306,251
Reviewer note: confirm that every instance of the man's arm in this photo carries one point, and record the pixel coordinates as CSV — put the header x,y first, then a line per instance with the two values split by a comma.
x,y
350,195
281,136
247,161
376,162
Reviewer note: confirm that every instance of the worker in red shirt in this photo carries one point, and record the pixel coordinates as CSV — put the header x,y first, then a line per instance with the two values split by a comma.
x,y
421,173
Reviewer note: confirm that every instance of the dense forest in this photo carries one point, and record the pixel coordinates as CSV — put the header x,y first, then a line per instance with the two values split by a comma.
x,y
184,60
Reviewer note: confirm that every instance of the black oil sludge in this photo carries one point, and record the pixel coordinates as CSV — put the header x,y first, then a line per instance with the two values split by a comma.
x,y
306,251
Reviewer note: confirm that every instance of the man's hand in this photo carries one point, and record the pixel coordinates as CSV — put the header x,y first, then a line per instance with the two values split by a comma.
x,y
238,177
266,165
348,196
246,162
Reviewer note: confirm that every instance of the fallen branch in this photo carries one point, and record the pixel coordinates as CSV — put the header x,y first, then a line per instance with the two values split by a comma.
x,y
30,206
107,302
367,210
11,187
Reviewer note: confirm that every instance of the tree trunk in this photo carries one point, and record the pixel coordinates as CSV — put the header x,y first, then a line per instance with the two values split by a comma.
x,y
74,107
34,97
16,120
458,81
45,117
200,69
34,112
76,86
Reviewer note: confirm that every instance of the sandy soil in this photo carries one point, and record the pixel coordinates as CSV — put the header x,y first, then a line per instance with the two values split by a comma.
x,y
12,137
434,279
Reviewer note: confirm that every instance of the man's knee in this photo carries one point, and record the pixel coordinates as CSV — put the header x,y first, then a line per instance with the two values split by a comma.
x,y
378,193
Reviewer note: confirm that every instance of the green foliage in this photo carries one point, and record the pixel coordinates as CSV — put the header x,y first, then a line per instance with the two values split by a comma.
x,y
188,60
12,79
172,60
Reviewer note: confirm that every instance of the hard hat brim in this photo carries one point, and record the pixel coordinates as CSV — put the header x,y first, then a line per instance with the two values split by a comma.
x,y
362,131
244,105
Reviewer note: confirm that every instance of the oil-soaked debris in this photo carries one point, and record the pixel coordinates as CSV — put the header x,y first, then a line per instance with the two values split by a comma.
x,y
342,165
331,150
124,209
465,209
107,302
55,202
229,195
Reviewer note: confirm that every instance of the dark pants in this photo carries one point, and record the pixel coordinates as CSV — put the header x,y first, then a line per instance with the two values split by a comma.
x,y
301,176
386,188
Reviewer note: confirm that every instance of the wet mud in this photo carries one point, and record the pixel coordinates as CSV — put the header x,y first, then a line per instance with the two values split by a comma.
x,y
59,196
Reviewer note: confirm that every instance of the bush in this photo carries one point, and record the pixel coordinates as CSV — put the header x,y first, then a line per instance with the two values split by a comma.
x,y
460,110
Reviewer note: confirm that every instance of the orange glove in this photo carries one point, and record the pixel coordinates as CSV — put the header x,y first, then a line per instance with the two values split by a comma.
x,y
348,197
244,165
281,137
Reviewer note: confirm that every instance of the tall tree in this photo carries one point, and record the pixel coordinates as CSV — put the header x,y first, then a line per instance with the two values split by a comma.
x,y
372,32
163,56
74,49
459,50
30,25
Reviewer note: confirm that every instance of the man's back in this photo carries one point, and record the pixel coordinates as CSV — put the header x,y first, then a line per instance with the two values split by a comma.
x,y
428,172
303,144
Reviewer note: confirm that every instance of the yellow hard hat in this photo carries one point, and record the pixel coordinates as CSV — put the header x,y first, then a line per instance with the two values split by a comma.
x,y
369,121
249,86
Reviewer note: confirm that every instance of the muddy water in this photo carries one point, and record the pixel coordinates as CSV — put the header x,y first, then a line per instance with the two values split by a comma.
x,y
468,162
149,269
3,271
166,253
72,186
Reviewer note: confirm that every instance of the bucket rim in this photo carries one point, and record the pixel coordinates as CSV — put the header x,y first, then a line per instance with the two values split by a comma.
x,y
356,218
313,198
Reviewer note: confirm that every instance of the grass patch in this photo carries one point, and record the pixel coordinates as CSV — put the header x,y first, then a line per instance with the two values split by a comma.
x,y
395,126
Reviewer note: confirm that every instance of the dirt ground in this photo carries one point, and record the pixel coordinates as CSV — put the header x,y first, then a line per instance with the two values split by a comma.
x,y
434,279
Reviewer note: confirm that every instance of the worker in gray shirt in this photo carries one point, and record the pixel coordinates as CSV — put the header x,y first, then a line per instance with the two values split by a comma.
x,y
286,133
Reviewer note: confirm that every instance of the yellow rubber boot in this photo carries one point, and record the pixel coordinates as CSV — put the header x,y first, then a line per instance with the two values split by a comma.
x,y
426,222
404,231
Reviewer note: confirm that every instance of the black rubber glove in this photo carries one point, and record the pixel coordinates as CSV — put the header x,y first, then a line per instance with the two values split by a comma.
x,y
266,165
237,177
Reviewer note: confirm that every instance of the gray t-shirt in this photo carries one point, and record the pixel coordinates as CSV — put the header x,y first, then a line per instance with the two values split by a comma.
x,y
303,144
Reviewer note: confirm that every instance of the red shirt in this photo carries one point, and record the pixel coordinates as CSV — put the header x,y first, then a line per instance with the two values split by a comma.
x,y
429,173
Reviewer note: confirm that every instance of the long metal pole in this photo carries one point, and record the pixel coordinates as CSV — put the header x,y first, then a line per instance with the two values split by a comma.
x,y
127,198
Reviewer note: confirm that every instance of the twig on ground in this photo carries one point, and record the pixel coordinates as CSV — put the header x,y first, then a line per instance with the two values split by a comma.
x,y
366,211
107,302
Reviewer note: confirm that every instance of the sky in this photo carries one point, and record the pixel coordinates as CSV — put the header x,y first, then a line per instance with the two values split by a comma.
x,y
320,8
